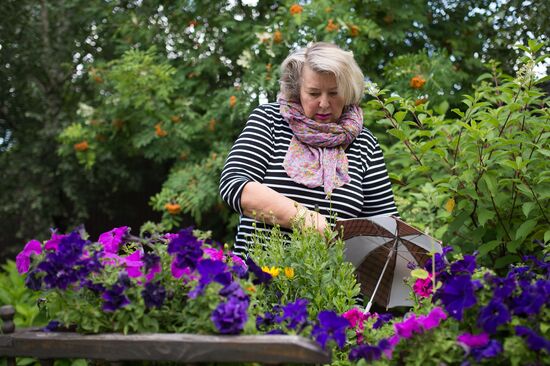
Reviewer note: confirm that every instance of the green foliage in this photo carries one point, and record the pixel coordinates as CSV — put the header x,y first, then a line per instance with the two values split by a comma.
x,y
14,292
306,265
479,180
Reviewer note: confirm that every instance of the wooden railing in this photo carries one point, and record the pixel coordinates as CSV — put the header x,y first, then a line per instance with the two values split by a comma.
x,y
184,348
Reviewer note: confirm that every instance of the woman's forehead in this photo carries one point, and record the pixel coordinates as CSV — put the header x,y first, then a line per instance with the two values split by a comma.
x,y
313,79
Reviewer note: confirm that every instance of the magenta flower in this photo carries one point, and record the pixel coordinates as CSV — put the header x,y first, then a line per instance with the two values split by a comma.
x,y
133,264
356,318
433,319
54,241
111,239
424,287
408,327
214,254
468,340
23,259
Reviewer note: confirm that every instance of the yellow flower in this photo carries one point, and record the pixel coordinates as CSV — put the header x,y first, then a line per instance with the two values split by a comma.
x,y
289,272
450,205
274,271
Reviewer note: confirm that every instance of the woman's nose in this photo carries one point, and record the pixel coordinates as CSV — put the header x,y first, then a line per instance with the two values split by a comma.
x,y
324,103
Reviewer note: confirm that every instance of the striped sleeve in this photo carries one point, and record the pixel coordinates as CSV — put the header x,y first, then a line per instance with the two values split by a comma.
x,y
248,159
377,189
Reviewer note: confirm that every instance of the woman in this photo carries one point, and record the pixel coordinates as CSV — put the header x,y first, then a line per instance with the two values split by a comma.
x,y
308,156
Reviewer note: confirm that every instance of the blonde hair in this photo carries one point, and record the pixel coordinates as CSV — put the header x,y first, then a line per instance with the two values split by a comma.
x,y
323,58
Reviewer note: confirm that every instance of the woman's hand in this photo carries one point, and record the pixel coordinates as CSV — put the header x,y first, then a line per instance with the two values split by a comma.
x,y
316,220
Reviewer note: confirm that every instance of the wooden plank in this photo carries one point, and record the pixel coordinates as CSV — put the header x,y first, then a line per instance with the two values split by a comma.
x,y
268,349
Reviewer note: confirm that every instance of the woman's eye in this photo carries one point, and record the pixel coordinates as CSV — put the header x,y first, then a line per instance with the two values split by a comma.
x,y
314,94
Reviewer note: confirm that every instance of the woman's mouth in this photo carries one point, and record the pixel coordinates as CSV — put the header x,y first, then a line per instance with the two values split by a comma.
x,y
322,116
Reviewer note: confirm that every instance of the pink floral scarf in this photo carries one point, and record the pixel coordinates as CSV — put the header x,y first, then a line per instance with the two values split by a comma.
x,y
316,154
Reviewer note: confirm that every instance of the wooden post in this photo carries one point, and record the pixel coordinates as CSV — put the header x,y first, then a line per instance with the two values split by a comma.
x,y
7,312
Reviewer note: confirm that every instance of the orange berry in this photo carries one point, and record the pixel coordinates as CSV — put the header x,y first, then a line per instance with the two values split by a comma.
x,y
295,9
277,37
268,67
98,79
172,208
388,19
117,123
232,101
420,101
331,26
417,82
212,125
159,131
353,30
81,146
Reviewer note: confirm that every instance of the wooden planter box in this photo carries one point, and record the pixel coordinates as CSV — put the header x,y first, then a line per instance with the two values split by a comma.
x,y
184,348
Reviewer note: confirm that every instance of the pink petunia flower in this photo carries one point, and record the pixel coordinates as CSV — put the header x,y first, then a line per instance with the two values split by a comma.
x,y
111,239
23,259
408,327
214,254
433,319
468,340
424,287
54,241
133,264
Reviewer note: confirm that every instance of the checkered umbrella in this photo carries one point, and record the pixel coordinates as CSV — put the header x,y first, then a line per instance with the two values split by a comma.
x,y
381,248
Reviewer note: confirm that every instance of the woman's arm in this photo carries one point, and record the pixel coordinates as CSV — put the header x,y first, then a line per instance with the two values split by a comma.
x,y
265,204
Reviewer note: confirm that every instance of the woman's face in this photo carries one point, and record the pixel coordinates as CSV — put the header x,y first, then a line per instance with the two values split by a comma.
x,y
319,96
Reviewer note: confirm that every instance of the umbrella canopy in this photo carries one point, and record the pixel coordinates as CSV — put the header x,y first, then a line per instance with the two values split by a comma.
x,y
381,248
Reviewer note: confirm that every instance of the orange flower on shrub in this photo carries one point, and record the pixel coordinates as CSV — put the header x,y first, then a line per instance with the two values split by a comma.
x,y
81,146
417,82
353,30
172,208
159,131
277,37
232,101
295,9
331,26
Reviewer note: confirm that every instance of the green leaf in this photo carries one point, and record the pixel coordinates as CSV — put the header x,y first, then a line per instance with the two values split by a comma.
x,y
547,236
397,133
506,260
420,273
442,107
525,229
488,247
528,207
484,215
514,245
399,116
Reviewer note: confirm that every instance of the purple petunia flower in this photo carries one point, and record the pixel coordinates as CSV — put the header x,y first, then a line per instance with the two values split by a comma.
x,y
331,326
366,352
381,320
492,316
186,248
23,259
261,276
457,294
535,341
153,294
439,259
52,326
230,316
532,298
503,288
111,239
209,271
464,266
33,281
114,298
492,349
295,313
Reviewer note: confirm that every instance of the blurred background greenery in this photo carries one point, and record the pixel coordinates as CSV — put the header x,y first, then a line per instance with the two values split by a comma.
x,y
122,112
